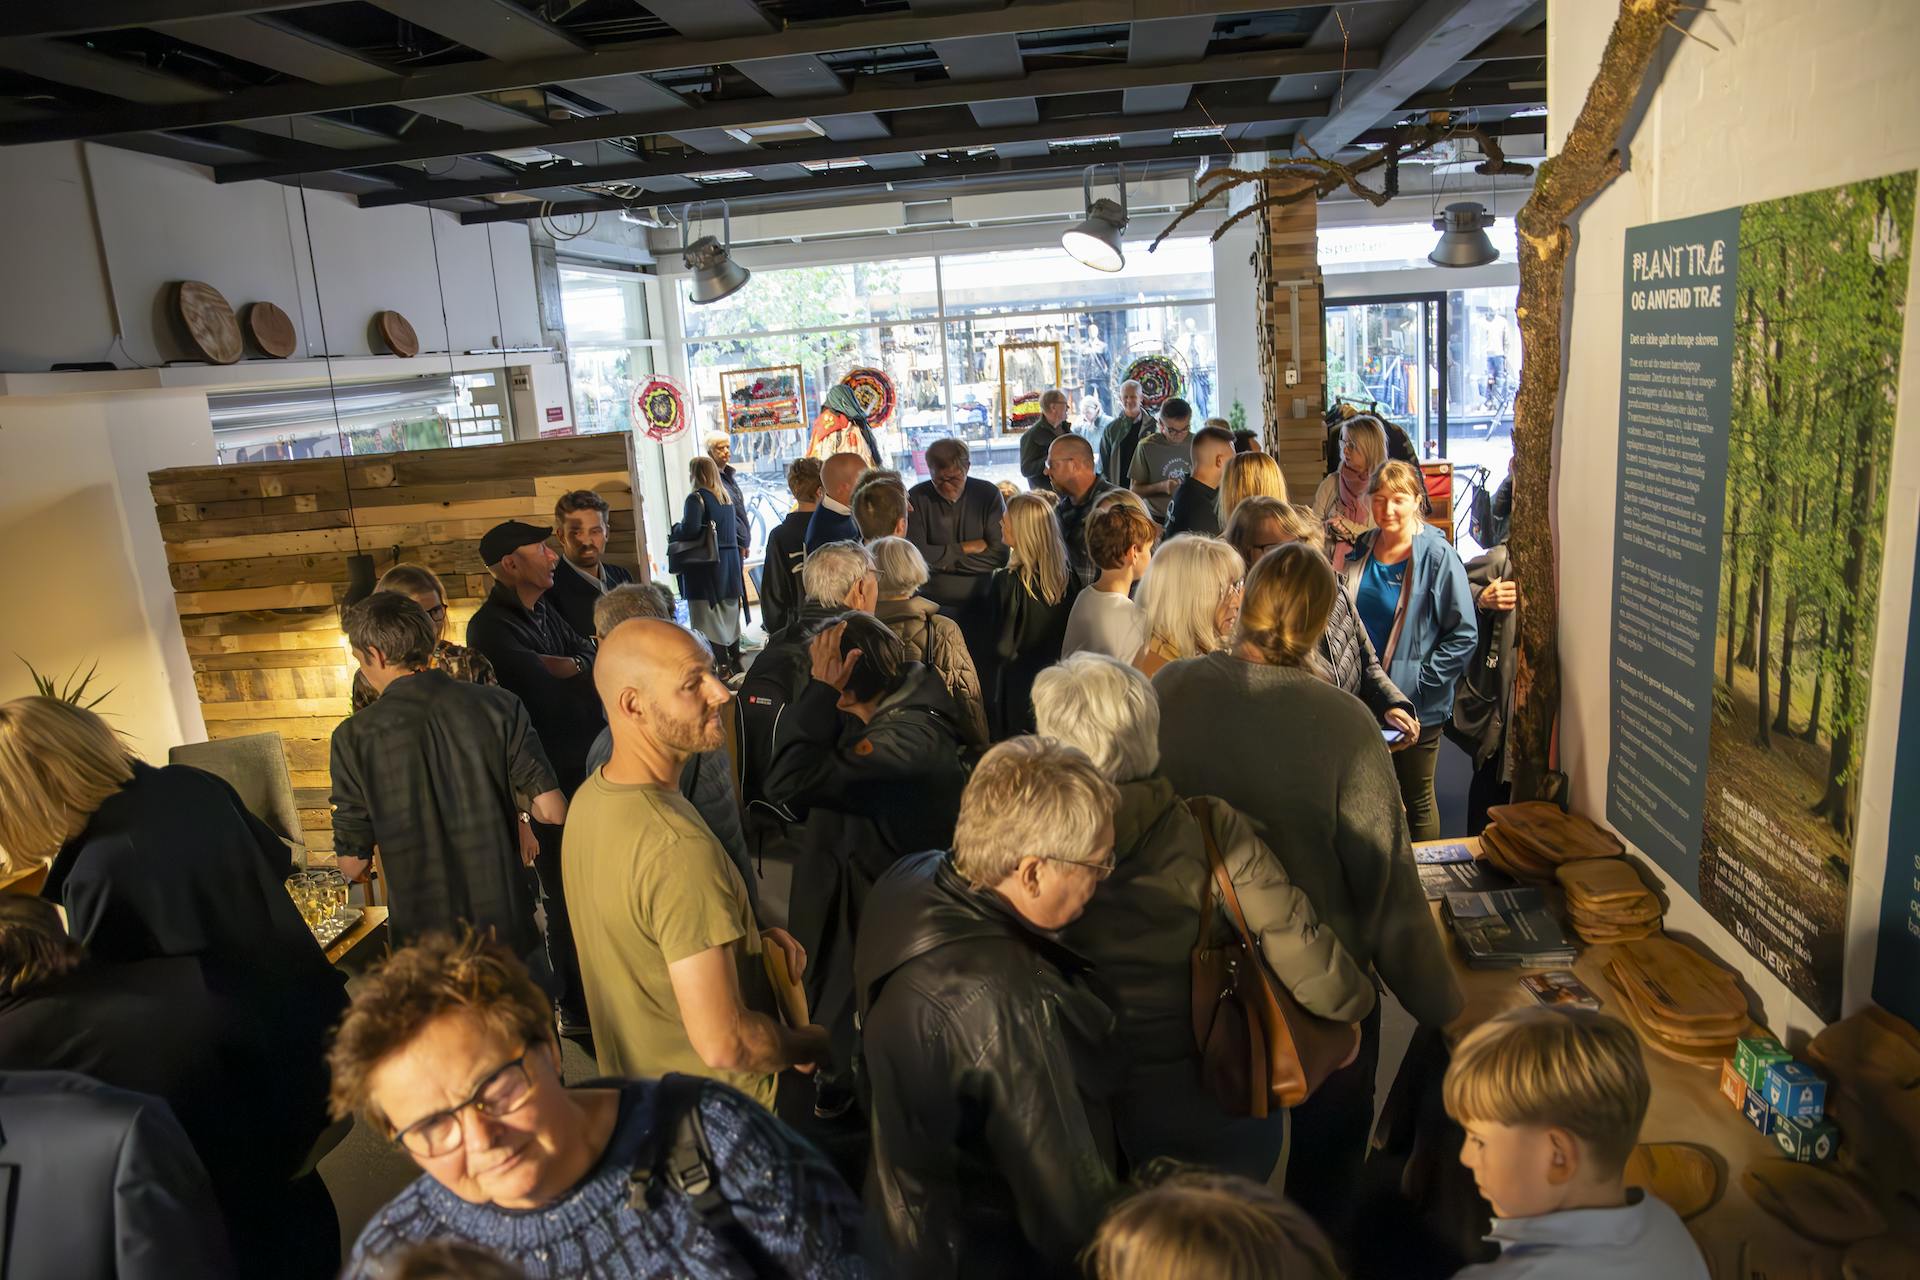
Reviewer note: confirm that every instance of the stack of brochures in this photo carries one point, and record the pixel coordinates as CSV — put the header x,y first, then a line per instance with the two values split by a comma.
x,y
1508,929
1441,879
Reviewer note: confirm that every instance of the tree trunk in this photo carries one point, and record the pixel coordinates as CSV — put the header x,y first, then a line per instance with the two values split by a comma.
x,y
1588,161
1752,633
1761,737
1783,720
1819,682
1836,806
1733,583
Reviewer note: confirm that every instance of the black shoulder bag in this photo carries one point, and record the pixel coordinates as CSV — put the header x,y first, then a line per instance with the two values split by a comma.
x,y
677,1155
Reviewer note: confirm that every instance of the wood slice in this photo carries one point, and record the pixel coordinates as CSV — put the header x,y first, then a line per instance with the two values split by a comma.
x,y
1600,880
270,329
1705,1058
1873,1046
1567,835
1700,1035
397,333
1678,983
1512,860
209,321
1681,1174
1817,1202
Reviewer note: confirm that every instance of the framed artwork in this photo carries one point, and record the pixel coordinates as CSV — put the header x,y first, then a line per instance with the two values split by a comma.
x,y
1026,370
770,399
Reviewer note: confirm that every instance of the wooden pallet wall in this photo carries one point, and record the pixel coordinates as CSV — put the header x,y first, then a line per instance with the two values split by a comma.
x,y
258,557
1286,250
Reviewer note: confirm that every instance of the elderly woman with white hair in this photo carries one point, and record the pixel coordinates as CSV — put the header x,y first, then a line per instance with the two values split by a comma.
x,y
1139,930
929,635
1191,595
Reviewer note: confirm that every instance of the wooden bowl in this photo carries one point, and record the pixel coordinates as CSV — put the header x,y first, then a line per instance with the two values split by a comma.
x,y
397,333
209,321
270,329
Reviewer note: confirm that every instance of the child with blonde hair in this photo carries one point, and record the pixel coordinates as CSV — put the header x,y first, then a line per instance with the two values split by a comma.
x,y
1552,1101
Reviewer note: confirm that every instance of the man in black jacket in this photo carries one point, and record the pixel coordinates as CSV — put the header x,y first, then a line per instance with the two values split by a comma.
x,y
1070,464
787,547
546,663
985,1048
580,521
955,522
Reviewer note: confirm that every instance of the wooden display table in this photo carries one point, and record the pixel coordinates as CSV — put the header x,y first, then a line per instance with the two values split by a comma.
x,y
1686,1106
373,919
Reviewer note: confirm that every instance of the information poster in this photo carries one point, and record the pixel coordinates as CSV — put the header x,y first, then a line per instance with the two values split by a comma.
x,y
1896,967
1760,368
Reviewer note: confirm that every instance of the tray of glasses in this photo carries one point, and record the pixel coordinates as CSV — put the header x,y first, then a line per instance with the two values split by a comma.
x,y
335,926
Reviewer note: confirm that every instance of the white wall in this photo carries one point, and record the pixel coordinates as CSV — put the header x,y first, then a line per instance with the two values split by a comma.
x,y
1784,105
88,578
90,230
1236,324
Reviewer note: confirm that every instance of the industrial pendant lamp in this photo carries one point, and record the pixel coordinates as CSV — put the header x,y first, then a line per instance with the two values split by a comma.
x,y
1463,237
715,274
1095,240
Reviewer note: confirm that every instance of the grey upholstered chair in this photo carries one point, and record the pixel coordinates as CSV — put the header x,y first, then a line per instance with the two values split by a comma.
x,y
255,765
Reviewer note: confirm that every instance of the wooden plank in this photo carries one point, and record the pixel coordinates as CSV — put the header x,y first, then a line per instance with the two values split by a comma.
x,y
328,500
328,710
311,798
304,771
269,544
532,510
320,819
316,728
265,571
399,495
268,644
261,622
272,659
605,483
293,522
260,480
292,597
300,686
576,454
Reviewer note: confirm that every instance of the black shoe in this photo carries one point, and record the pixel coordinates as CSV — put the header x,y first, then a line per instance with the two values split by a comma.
x,y
572,1025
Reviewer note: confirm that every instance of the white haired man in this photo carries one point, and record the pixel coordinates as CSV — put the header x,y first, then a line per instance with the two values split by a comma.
x,y
1121,436
980,1035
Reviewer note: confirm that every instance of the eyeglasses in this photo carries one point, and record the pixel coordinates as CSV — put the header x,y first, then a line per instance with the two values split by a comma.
x,y
500,1094
438,613
1101,870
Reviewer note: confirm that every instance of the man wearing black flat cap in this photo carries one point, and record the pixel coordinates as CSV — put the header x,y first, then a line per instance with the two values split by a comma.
x,y
546,663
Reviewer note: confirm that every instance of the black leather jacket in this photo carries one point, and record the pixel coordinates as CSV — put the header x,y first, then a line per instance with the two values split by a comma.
x,y
992,1155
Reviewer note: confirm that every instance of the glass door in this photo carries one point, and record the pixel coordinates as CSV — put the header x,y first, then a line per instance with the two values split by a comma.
x,y
1388,356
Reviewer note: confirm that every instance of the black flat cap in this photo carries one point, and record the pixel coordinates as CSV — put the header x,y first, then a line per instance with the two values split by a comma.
x,y
508,537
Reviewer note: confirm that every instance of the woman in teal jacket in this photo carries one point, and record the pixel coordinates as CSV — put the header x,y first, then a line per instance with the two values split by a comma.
x,y
1412,596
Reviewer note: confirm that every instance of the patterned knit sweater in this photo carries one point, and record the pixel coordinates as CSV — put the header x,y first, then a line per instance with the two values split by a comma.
x,y
782,1193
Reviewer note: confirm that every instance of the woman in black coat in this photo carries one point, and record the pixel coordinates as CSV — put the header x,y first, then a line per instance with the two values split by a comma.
x,y
1032,598
152,863
712,588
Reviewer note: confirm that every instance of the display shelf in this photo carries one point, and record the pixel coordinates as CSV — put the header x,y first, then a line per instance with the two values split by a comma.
x,y
251,374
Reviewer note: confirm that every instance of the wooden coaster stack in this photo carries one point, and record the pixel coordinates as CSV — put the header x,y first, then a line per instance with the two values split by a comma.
x,y
1684,1006
1607,901
1530,840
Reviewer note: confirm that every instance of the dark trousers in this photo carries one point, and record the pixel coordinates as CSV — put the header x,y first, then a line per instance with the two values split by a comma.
x,y
1414,768
1486,790
562,959
1331,1131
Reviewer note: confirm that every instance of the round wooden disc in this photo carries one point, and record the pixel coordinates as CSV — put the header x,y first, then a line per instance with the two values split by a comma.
x,y
209,321
398,334
270,329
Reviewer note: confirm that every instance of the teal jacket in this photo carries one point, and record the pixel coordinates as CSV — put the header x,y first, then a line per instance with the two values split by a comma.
x,y
1435,627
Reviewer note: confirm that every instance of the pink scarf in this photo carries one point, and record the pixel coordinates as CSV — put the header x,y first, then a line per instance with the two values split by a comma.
x,y
1353,500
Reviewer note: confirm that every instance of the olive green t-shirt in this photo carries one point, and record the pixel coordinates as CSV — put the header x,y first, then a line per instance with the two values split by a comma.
x,y
647,885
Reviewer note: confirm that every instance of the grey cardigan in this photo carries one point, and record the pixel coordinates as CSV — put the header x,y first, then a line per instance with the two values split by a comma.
x,y
1307,763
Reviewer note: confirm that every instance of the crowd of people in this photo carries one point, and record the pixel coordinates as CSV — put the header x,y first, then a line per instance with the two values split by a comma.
x,y
1009,749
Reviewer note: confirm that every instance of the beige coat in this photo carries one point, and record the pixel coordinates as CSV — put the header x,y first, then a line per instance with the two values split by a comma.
x,y
936,640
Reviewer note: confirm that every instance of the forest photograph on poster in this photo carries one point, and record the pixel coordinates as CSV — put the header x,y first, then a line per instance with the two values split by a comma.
x,y
1819,315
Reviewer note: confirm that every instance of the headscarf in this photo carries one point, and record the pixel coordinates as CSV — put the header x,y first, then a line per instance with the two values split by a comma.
x,y
841,427
841,400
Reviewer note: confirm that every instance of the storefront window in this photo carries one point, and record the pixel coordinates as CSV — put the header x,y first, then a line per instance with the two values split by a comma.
x,y
610,345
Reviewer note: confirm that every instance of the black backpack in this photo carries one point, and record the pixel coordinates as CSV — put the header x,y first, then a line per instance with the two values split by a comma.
x,y
678,1156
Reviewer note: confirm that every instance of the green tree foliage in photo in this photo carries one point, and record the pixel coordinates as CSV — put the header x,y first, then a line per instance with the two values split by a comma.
x,y
1822,283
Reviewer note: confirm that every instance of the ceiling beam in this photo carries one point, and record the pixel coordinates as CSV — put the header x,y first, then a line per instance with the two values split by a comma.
x,y
640,57
280,47
732,113
77,18
950,137
1432,39
498,28
1188,152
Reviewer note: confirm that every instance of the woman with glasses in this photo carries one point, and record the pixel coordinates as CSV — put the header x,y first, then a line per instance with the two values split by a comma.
x,y
1261,524
1139,930
458,661
449,1050
1259,726
984,1045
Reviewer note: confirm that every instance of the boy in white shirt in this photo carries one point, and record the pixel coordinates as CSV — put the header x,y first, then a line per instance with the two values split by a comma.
x,y
1552,1101
1120,538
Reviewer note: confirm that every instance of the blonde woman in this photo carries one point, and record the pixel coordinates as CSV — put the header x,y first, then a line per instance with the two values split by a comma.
x,y
1413,598
712,588
1032,600
1341,500
1245,475
1258,726
1191,596
929,636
